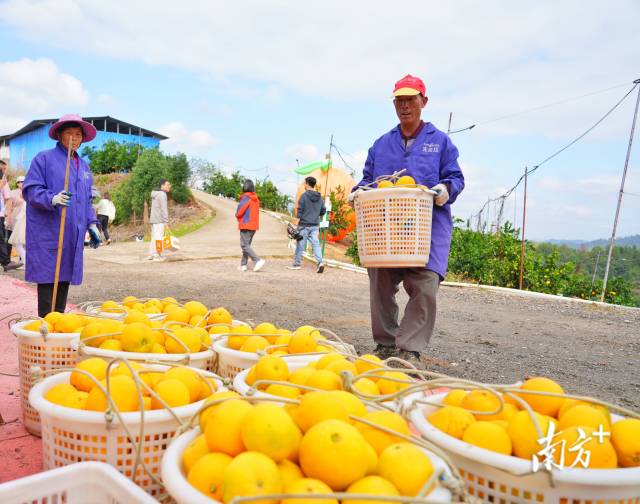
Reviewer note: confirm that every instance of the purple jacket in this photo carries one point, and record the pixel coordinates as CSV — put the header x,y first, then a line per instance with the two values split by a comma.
x,y
432,159
44,180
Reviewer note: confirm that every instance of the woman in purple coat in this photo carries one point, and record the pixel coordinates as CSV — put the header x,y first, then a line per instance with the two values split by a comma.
x,y
44,193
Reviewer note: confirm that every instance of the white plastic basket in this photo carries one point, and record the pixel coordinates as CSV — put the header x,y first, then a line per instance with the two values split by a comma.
x,y
53,352
241,386
82,483
231,362
181,490
199,360
72,435
394,227
494,477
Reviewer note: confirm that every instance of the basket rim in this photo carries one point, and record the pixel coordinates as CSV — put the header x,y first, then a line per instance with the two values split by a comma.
x,y
17,329
396,189
220,346
136,356
101,473
622,476
46,408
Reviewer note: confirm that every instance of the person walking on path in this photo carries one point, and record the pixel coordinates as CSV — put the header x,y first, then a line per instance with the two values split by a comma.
x,y
44,194
106,212
17,221
158,218
310,208
248,215
428,155
5,195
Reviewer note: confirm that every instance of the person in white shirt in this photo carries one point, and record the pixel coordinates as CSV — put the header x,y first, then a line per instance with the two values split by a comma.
x,y
106,212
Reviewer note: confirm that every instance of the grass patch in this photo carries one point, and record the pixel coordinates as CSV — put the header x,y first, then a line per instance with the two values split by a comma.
x,y
190,227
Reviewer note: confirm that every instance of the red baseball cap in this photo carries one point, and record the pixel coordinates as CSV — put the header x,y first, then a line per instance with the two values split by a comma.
x,y
409,86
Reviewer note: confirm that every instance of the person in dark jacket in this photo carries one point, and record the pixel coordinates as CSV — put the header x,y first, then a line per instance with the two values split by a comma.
x,y
248,215
310,209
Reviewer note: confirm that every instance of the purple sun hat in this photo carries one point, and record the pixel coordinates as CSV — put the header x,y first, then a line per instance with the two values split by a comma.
x,y
88,130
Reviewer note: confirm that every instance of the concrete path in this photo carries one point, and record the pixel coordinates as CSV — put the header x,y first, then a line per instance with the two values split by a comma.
x,y
217,239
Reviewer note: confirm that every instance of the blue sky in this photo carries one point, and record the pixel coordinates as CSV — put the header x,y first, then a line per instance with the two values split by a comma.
x,y
257,84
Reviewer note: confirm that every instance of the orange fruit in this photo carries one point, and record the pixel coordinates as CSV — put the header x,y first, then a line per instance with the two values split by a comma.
x,y
545,405
178,314
195,308
489,436
451,420
602,455
378,438
224,427
122,390
137,316
309,486
137,337
625,437
268,429
249,474
207,474
406,466
482,400
196,449
333,444
189,377
220,315
95,366
172,391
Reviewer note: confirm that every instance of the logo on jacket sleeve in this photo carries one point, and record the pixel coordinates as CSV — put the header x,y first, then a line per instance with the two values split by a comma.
x,y
430,147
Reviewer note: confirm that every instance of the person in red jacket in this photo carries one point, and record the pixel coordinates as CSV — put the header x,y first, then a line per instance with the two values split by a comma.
x,y
248,215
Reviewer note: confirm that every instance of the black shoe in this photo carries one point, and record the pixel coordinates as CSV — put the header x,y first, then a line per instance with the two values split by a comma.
x,y
320,268
384,351
12,265
412,357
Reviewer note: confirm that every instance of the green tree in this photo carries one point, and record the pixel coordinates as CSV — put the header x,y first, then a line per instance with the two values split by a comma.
x,y
113,156
221,184
179,174
270,197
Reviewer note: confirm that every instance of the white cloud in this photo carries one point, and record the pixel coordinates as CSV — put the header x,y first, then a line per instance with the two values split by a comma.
x,y
31,89
480,60
304,153
191,142
580,211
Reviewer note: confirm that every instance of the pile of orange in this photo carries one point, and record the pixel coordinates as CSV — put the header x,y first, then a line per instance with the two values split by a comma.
x,y
176,386
314,447
326,374
474,417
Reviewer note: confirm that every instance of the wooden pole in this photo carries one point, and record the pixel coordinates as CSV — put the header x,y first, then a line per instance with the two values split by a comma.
x,y
63,218
624,176
524,219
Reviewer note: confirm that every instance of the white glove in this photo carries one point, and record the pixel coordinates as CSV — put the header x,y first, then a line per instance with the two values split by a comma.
x,y
63,198
443,194
352,196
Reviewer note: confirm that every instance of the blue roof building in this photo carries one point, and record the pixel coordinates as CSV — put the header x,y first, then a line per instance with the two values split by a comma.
x,y
19,148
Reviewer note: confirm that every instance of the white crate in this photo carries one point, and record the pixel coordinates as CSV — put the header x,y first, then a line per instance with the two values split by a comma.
x,y
393,226
82,483
494,477
53,352
72,435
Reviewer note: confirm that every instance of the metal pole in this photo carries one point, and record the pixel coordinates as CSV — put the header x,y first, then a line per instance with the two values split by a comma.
x,y
449,127
624,176
325,232
524,219
595,270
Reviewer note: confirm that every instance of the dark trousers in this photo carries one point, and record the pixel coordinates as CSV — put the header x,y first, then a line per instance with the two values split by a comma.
x,y
415,330
5,258
246,237
45,296
104,225
9,246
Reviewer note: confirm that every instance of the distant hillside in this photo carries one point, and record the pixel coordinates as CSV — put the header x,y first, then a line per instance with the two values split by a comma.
x,y
625,241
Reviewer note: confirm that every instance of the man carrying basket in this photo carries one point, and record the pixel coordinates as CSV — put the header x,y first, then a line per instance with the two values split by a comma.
x,y
428,155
